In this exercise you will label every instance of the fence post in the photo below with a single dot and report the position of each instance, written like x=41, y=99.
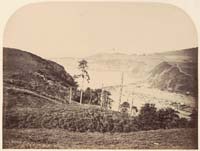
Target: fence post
x=70, y=95
x=102, y=91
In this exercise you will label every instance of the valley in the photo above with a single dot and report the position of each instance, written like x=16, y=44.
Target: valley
x=138, y=94
x=166, y=79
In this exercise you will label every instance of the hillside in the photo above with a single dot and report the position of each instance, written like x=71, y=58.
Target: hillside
x=192, y=53
x=25, y=71
x=175, y=77
x=178, y=73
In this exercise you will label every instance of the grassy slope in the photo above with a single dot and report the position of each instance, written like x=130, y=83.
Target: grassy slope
x=27, y=110
x=62, y=139
x=57, y=138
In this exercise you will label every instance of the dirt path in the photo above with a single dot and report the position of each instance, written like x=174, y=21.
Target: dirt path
x=181, y=71
x=35, y=94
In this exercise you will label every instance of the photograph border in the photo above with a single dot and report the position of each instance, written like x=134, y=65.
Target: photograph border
x=9, y=7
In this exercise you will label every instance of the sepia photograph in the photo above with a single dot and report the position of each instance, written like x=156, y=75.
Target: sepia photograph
x=100, y=75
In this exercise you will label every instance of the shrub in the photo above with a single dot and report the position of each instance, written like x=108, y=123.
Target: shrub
x=182, y=123
x=194, y=119
x=98, y=120
x=147, y=117
x=167, y=118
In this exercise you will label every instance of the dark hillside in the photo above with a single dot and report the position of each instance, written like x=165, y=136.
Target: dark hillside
x=191, y=52
x=23, y=71
x=175, y=77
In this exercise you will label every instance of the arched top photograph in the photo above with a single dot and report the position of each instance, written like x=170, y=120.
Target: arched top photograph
x=100, y=75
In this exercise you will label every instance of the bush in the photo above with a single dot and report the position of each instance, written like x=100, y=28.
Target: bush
x=194, y=119
x=98, y=120
x=150, y=118
x=147, y=117
x=183, y=123
x=168, y=118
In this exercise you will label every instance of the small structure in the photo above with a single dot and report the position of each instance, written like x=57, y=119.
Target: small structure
x=125, y=107
x=133, y=111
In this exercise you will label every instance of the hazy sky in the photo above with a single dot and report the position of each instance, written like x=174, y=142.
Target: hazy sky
x=63, y=29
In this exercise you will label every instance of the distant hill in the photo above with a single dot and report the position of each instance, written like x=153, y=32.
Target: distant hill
x=178, y=74
x=192, y=52
x=109, y=56
x=29, y=80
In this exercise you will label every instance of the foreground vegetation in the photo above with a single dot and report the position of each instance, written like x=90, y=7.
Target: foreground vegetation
x=62, y=139
x=23, y=111
x=82, y=118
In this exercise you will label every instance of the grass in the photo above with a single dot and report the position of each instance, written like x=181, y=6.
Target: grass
x=35, y=123
x=27, y=111
x=63, y=139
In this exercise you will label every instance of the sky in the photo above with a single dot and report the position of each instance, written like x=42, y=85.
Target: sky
x=80, y=29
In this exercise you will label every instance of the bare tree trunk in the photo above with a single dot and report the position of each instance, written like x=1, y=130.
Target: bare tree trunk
x=121, y=90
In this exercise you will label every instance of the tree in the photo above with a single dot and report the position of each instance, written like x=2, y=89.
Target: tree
x=168, y=118
x=96, y=97
x=124, y=107
x=87, y=96
x=106, y=100
x=148, y=117
x=84, y=75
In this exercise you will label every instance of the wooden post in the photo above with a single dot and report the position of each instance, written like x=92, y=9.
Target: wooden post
x=106, y=100
x=90, y=96
x=70, y=95
x=81, y=96
x=102, y=96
